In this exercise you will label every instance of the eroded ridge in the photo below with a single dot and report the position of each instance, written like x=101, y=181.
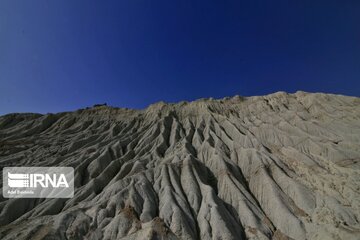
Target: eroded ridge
x=281, y=166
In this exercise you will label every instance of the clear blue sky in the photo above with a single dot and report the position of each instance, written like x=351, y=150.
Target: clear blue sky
x=64, y=55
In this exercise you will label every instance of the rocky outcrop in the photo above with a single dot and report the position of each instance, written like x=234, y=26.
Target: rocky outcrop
x=281, y=166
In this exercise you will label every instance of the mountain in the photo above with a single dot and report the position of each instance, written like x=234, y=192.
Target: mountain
x=281, y=166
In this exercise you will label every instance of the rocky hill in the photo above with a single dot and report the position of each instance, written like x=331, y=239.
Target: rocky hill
x=281, y=166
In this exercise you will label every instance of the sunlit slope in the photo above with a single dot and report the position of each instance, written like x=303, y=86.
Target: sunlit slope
x=266, y=167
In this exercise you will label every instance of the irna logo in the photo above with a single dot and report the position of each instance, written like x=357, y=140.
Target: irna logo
x=34, y=180
x=38, y=182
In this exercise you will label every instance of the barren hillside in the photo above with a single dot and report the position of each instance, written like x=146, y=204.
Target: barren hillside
x=281, y=166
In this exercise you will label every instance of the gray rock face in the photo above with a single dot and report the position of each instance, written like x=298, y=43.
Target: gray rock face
x=281, y=166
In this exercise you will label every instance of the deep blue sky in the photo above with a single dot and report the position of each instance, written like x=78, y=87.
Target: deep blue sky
x=65, y=55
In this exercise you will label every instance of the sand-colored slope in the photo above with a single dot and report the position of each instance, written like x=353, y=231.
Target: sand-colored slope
x=281, y=166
